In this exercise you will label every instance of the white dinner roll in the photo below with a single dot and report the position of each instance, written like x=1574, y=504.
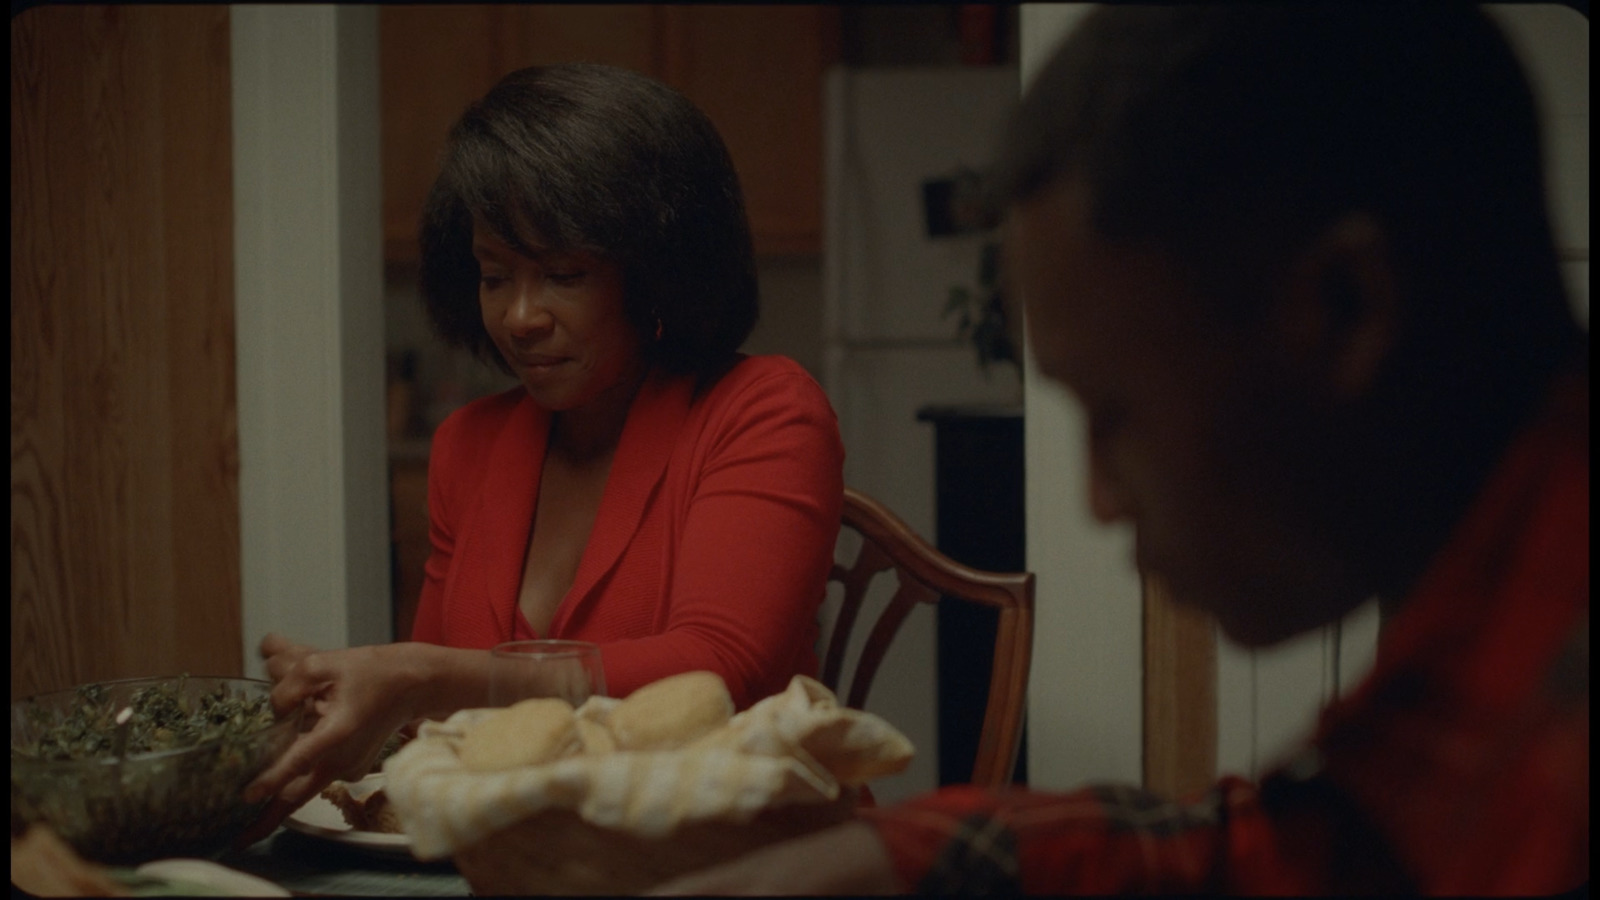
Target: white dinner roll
x=595, y=738
x=671, y=712
x=528, y=733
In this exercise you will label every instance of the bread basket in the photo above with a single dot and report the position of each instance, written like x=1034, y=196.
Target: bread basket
x=622, y=822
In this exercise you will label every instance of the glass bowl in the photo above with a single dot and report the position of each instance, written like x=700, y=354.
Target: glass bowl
x=183, y=801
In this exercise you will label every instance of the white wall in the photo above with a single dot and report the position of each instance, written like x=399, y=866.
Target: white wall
x=309, y=326
x=1085, y=701
x=1553, y=42
x=1267, y=700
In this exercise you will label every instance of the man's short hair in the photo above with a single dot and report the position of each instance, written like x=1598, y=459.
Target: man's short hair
x=1229, y=136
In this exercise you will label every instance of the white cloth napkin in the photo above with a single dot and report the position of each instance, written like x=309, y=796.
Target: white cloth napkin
x=799, y=746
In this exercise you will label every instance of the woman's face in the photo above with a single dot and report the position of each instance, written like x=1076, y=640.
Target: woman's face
x=558, y=320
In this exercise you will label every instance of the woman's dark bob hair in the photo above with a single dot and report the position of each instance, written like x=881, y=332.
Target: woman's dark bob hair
x=608, y=161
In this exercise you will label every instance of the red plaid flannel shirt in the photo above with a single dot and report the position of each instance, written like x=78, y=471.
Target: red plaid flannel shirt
x=1459, y=766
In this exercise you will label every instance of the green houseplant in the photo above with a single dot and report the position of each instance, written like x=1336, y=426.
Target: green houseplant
x=981, y=315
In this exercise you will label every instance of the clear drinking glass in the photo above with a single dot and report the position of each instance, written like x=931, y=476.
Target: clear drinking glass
x=521, y=670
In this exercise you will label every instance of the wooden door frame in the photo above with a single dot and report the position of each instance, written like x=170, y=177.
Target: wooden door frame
x=124, y=492
x=1180, y=694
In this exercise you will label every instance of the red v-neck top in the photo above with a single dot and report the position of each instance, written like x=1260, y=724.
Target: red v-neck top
x=710, y=550
x=521, y=630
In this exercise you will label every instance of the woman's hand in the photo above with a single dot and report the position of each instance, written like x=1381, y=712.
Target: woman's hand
x=845, y=859
x=355, y=700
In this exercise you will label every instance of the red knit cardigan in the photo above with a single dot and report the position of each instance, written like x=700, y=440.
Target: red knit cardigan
x=711, y=547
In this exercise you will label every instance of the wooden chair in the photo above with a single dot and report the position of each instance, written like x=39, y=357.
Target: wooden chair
x=925, y=575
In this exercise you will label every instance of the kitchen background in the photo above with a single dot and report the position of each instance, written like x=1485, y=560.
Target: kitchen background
x=217, y=363
x=909, y=95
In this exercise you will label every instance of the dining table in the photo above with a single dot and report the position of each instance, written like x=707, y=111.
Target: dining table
x=311, y=866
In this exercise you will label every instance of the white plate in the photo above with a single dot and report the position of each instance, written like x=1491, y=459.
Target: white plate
x=195, y=877
x=319, y=818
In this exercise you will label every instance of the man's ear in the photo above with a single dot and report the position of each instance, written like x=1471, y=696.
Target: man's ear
x=1338, y=314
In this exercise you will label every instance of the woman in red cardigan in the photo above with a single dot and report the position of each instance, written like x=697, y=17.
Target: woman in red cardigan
x=646, y=487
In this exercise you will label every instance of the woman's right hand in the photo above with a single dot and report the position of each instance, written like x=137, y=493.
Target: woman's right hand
x=355, y=699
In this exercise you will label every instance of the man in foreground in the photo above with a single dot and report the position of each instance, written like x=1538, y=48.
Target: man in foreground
x=1295, y=264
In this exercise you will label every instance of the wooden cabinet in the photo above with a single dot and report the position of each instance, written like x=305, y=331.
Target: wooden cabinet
x=980, y=499
x=755, y=70
x=427, y=75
